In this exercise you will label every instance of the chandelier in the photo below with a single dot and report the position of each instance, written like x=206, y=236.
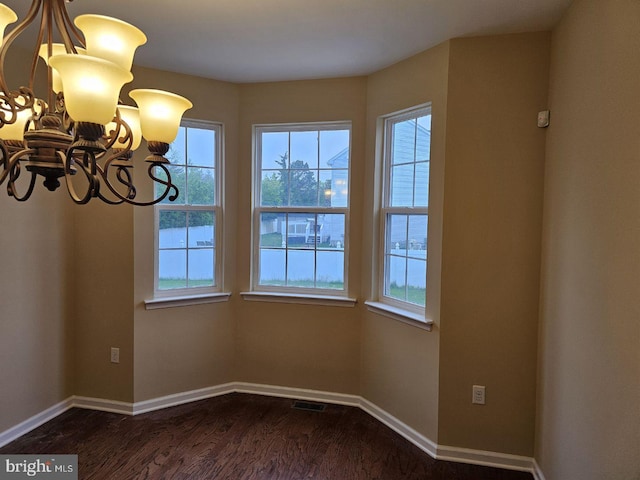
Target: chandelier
x=80, y=131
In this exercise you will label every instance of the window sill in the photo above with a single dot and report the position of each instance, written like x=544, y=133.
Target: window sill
x=404, y=316
x=304, y=299
x=185, y=300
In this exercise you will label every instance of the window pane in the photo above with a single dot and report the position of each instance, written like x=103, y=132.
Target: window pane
x=395, y=277
x=339, y=188
x=200, y=186
x=422, y=185
x=334, y=149
x=330, y=269
x=396, y=234
x=300, y=268
x=271, y=189
x=300, y=230
x=178, y=178
x=304, y=188
x=201, y=267
x=172, y=229
x=304, y=150
x=331, y=231
x=423, y=138
x=201, y=229
x=275, y=150
x=325, y=189
x=272, y=227
x=416, y=281
x=272, y=266
x=404, y=142
x=402, y=186
x=201, y=144
x=417, y=236
x=176, y=153
x=172, y=269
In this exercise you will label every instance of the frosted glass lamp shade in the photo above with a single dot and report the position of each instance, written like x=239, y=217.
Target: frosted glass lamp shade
x=7, y=16
x=110, y=39
x=131, y=115
x=56, y=49
x=91, y=86
x=160, y=113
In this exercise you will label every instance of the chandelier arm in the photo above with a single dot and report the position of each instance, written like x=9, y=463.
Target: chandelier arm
x=45, y=26
x=11, y=161
x=167, y=183
x=111, y=136
x=120, y=198
x=128, y=182
x=4, y=162
x=66, y=27
x=92, y=189
x=14, y=175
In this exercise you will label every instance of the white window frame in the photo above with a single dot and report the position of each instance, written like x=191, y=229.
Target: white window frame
x=197, y=294
x=397, y=307
x=313, y=294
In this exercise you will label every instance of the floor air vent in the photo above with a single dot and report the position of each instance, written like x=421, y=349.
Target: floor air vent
x=311, y=406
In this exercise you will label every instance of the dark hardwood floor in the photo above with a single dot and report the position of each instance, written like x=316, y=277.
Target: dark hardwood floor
x=241, y=437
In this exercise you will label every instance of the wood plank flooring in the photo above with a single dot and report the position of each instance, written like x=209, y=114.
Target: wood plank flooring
x=241, y=437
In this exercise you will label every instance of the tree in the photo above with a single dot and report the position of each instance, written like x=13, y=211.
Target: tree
x=298, y=184
x=198, y=185
x=271, y=195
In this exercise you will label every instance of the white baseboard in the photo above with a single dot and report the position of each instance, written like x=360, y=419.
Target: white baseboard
x=419, y=440
x=180, y=398
x=440, y=452
x=298, y=393
x=537, y=471
x=34, y=422
x=485, y=458
x=112, y=406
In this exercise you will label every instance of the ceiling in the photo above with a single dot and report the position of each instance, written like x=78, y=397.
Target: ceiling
x=269, y=40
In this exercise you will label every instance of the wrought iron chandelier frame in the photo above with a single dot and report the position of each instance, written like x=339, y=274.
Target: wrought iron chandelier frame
x=55, y=146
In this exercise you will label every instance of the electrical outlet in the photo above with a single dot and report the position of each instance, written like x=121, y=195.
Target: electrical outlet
x=478, y=395
x=115, y=355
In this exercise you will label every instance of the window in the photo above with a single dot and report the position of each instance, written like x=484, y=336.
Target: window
x=405, y=209
x=187, y=230
x=301, y=208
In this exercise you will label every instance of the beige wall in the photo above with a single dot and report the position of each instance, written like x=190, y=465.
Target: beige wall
x=315, y=347
x=589, y=402
x=491, y=240
x=102, y=296
x=186, y=348
x=399, y=361
x=36, y=311
x=35, y=308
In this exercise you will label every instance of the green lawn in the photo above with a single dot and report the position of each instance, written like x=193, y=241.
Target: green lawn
x=304, y=284
x=173, y=283
x=414, y=294
x=271, y=240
